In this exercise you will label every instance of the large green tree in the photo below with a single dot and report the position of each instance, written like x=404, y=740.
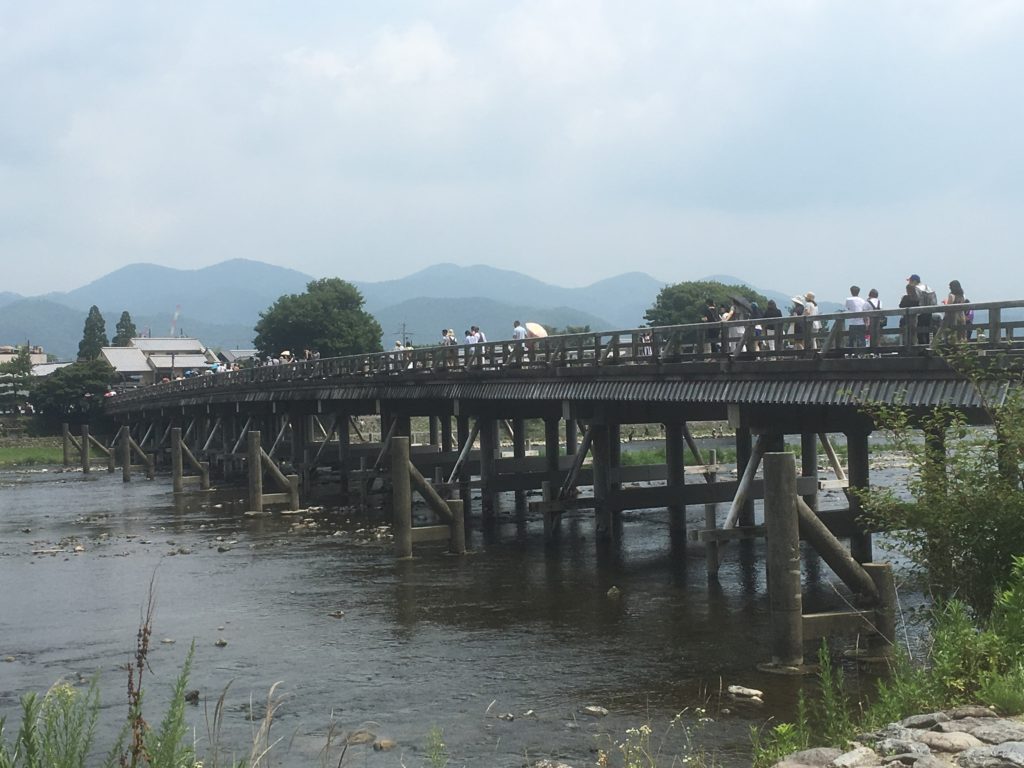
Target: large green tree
x=94, y=335
x=684, y=302
x=328, y=318
x=74, y=392
x=125, y=331
x=15, y=380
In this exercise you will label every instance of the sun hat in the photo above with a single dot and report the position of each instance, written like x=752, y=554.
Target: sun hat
x=798, y=300
x=809, y=296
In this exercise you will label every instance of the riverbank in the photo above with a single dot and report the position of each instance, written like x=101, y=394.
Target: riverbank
x=30, y=451
x=963, y=737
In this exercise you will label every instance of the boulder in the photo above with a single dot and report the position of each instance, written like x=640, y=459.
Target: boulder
x=901, y=747
x=1008, y=755
x=594, y=711
x=929, y=720
x=818, y=757
x=970, y=710
x=384, y=745
x=999, y=731
x=948, y=742
x=856, y=758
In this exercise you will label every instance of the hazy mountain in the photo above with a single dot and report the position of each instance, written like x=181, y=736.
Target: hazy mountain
x=423, y=319
x=232, y=292
x=220, y=304
x=620, y=300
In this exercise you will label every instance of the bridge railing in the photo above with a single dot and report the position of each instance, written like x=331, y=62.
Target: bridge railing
x=911, y=331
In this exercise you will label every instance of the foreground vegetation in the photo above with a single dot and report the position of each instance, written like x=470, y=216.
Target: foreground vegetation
x=962, y=528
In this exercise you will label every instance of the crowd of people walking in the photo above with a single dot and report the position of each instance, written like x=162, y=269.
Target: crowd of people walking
x=805, y=333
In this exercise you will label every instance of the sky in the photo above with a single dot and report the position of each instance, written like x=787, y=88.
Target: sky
x=796, y=144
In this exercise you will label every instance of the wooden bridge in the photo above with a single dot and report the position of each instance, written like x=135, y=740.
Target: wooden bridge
x=768, y=378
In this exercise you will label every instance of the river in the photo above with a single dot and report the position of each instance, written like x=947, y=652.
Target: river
x=515, y=628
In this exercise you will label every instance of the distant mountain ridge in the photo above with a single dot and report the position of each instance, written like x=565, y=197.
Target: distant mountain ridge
x=220, y=304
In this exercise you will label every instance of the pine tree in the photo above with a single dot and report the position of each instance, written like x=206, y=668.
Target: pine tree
x=94, y=335
x=125, y=331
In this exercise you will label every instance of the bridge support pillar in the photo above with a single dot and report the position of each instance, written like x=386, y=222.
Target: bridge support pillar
x=254, y=460
x=600, y=450
x=300, y=422
x=434, y=430
x=571, y=438
x=783, y=560
x=552, y=449
x=676, y=478
x=488, y=448
x=744, y=449
x=465, y=492
x=65, y=433
x=519, y=452
x=858, y=472
x=446, y=434
x=401, y=496
x=344, y=456
x=809, y=464
x=177, y=470
x=85, y=449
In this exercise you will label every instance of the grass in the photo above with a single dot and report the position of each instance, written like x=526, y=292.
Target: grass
x=39, y=453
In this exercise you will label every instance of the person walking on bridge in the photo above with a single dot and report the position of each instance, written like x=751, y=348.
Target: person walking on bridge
x=855, y=325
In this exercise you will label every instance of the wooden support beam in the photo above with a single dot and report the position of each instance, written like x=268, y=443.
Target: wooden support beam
x=570, y=479
x=84, y=449
x=833, y=552
x=289, y=484
x=401, y=496
x=676, y=477
x=711, y=554
x=241, y=436
x=213, y=433
x=65, y=433
x=783, y=560
x=279, y=438
x=739, y=502
x=857, y=456
x=176, y=461
x=433, y=499
x=833, y=459
x=254, y=462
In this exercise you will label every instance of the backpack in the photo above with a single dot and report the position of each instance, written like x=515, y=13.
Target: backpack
x=928, y=297
x=969, y=314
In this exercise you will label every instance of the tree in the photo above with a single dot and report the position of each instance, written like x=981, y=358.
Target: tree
x=328, y=318
x=74, y=392
x=94, y=335
x=125, y=331
x=15, y=380
x=684, y=302
x=961, y=522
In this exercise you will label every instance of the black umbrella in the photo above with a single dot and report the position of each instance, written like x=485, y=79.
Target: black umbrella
x=741, y=302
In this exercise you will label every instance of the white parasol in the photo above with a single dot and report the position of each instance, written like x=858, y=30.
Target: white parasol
x=535, y=331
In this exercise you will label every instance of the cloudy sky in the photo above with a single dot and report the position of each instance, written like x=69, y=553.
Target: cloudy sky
x=798, y=144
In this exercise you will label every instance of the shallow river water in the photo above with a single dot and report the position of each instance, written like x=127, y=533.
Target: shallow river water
x=439, y=642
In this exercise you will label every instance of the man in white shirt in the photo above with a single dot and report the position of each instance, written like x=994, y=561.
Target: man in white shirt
x=855, y=325
x=518, y=331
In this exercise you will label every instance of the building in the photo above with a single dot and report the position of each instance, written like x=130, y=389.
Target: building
x=35, y=354
x=151, y=359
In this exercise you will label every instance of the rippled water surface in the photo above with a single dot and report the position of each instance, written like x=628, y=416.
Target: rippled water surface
x=516, y=627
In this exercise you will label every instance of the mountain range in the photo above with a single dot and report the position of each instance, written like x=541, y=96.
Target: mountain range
x=221, y=303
